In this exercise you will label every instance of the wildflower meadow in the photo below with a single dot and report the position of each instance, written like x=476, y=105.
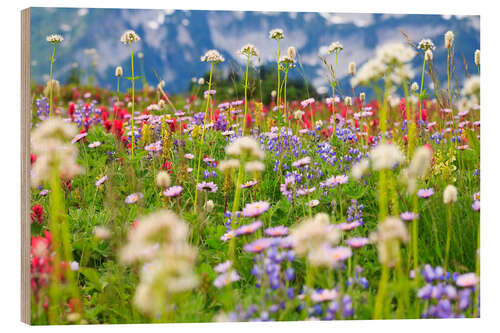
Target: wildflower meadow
x=245, y=201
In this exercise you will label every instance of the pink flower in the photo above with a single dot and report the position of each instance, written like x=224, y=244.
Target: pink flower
x=172, y=191
x=467, y=280
x=255, y=208
x=248, y=229
x=357, y=242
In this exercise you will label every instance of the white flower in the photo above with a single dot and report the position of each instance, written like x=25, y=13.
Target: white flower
x=298, y=114
x=254, y=166
x=472, y=85
x=230, y=164
x=291, y=52
x=448, y=39
x=50, y=141
x=208, y=206
x=428, y=55
x=129, y=36
x=101, y=233
x=287, y=60
x=212, y=56
x=247, y=145
x=476, y=57
x=450, y=194
x=390, y=233
x=276, y=34
x=118, y=71
x=385, y=156
x=362, y=96
x=55, y=38
x=352, y=68
x=162, y=228
x=249, y=50
x=361, y=168
x=426, y=44
x=414, y=87
x=163, y=179
x=335, y=47
x=420, y=162
x=314, y=233
x=348, y=101
x=201, y=81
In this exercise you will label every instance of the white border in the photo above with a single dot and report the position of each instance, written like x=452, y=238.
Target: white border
x=10, y=152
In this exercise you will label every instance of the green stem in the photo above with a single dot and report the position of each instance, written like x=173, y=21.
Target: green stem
x=51, y=87
x=246, y=100
x=203, y=135
x=379, y=301
x=133, y=98
x=448, y=238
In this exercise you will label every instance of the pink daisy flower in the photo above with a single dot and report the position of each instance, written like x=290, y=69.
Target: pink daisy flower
x=255, y=208
x=277, y=231
x=258, y=246
x=133, y=198
x=357, y=242
x=172, y=191
x=209, y=187
x=425, y=193
x=248, y=229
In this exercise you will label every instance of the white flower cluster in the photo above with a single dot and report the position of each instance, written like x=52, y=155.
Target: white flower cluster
x=472, y=85
x=426, y=44
x=160, y=241
x=129, y=36
x=245, y=145
x=248, y=151
x=276, y=34
x=335, y=47
x=249, y=50
x=418, y=168
x=385, y=156
x=212, y=56
x=311, y=234
x=393, y=57
x=51, y=142
x=389, y=235
x=55, y=38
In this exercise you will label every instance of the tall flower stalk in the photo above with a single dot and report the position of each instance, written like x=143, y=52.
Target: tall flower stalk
x=54, y=40
x=287, y=62
x=334, y=48
x=213, y=57
x=450, y=195
x=278, y=34
x=448, y=43
x=248, y=51
x=129, y=37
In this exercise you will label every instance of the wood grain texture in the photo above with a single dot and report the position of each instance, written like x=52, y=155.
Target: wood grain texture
x=25, y=166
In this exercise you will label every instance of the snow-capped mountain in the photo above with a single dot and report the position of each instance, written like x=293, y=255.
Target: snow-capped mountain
x=173, y=41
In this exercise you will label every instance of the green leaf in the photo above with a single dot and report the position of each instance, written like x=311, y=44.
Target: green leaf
x=93, y=277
